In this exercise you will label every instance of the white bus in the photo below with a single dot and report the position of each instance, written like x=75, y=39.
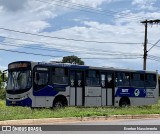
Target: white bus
x=39, y=84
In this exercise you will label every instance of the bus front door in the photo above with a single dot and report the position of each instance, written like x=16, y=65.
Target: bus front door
x=76, y=88
x=107, y=84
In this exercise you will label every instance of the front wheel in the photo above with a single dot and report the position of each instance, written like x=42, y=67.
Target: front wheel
x=58, y=104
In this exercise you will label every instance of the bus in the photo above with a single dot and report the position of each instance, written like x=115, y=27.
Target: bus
x=40, y=84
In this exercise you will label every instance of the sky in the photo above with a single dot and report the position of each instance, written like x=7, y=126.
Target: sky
x=101, y=32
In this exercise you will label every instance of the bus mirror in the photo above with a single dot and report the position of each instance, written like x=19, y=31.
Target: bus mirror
x=3, y=77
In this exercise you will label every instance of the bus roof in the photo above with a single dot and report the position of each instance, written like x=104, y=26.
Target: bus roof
x=75, y=66
x=121, y=70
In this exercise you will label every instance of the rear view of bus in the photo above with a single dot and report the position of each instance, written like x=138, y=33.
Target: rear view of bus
x=19, y=84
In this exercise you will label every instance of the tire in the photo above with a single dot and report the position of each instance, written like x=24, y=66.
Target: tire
x=124, y=102
x=58, y=104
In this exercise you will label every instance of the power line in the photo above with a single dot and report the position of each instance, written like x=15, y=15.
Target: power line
x=62, y=38
x=154, y=45
x=64, y=46
x=113, y=58
x=92, y=51
x=14, y=51
x=89, y=9
x=37, y=54
x=81, y=52
x=61, y=44
x=158, y=60
x=153, y=57
x=146, y=22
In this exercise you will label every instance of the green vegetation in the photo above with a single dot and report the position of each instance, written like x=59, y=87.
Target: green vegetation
x=13, y=113
x=2, y=88
x=73, y=59
x=2, y=94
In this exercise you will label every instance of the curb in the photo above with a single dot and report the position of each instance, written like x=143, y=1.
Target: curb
x=75, y=119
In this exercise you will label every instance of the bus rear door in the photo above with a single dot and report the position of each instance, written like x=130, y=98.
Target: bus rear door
x=76, y=88
x=107, y=84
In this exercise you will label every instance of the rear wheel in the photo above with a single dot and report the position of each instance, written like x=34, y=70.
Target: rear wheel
x=124, y=102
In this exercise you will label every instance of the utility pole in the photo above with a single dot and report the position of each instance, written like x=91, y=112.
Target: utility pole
x=145, y=39
x=145, y=46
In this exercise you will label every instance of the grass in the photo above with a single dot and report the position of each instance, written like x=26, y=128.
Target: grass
x=14, y=113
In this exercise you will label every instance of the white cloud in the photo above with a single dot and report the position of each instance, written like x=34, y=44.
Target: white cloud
x=33, y=17
x=93, y=4
x=144, y=4
x=13, y=5
x=2, y=68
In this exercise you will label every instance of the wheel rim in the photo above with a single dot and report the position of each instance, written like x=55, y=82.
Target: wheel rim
x=58, y=104
x=124, y=104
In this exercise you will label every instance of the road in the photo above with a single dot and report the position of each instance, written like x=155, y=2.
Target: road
x=137, y=122
x=117, y=127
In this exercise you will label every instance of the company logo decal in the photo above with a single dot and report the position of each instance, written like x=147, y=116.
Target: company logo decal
x=136, y=92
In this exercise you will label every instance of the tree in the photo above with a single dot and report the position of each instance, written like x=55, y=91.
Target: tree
x=73, y=60
x=2, y=88
x=1, y=85
x=159, y=83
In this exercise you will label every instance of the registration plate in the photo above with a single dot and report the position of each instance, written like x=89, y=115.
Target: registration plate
x=13, y=102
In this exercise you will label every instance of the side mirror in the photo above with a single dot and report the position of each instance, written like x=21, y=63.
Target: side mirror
x=3, y=77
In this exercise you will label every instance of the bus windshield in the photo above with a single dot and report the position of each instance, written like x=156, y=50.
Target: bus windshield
x=19, y=80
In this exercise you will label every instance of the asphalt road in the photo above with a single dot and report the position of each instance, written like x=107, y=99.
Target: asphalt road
x=115, y=125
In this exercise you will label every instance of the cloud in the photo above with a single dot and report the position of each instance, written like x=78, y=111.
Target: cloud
x=2, y=68
x=13, y=5
x=93, y=4
x=144, y=4
x=123, y=30
x=33, y=17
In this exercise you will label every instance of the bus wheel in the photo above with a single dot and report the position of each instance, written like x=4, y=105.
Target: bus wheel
x=58, y=104
x=60, y=101
x=124, y=102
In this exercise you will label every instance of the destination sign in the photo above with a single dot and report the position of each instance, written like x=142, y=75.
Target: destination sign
x=18, y=65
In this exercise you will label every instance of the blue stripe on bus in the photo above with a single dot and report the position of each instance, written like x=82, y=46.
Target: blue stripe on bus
x=64, y=65
x=25, y=102
x=50, y=90
x=130, y=92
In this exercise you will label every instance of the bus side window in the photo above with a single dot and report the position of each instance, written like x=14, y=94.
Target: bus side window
x=126, y=81
x=122, y=79
x=150, y=81
x=110, y=81
x=118, y=79
x=60, y=76
x=137, y=80
x=41, y=77
x=79, y=79
x=92, y=78
x=103, y=80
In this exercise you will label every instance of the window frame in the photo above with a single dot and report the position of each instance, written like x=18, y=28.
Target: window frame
x=123, y=82
x=65, y=74
x=35, y=85
x=141, y=79
x=91, y=79
x=154, y=79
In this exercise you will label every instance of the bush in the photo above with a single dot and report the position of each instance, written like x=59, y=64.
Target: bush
x=2, y=94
